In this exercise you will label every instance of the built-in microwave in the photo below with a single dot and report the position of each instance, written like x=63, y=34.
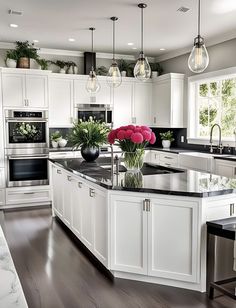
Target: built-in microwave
x=98, y=112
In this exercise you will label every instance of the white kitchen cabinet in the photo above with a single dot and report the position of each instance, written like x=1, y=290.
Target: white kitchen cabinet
x=225, y=168
x=220, y=209
x=75, y=191
x=81, y=95
x=122, y=104
x=167, y=101
x=142, y=103
x=67, y=199
x=128, y=234
x=60, y=102
x=22, y=89
x=57, y=182
x=173, y=251
x=169, y=159
x=154, y=157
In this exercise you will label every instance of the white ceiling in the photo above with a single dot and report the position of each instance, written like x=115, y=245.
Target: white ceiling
x=52, y=22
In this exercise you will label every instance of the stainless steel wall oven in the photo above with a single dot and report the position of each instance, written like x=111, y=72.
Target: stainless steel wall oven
x=98, y=112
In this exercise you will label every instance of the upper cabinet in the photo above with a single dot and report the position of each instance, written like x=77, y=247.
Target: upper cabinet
x=25, y=89
x=142, y=103
x=81, y=95
x=167, y=101
x=60, y=101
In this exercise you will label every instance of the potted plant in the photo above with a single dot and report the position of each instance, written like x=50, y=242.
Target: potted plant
x=156, y=69
x=101, y=71
x=132, y=141
x=25, y=52
x=71, y=68
x=61, y=64
x=123, y=67
x=89, y=135
x=167, y=138
x=55, y=138
x=43, y=63
x=11, y=58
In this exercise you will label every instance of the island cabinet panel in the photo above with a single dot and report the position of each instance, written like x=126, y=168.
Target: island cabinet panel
x=225, y=168
x=128, y=235
x=60, y=102
x=67, y=199
x=173, y=235
x=57, y=179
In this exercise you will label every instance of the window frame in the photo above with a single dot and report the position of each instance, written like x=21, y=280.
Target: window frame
x=193, y=110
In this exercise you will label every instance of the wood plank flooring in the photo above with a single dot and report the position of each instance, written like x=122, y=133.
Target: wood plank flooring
x=55, y=272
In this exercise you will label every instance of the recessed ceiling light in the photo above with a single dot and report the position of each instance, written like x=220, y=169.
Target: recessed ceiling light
x=13, y=26
x=162, y=49
x=130, y=44
x=36, y=41
x=71, y=39
x=134, y=48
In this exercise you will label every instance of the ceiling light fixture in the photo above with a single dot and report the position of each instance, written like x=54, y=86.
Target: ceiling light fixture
x=198, y=59
x=13, y=26
x=92, y=86
x=142, y=70
x=134, y=48
x=71, y=39
x=130, y=44
x=162, y=49
x=113, y=76
x=36, y=41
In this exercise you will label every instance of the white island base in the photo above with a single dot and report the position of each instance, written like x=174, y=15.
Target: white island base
x=148, y=237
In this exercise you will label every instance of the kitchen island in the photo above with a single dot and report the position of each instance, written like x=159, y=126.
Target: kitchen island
x=149, y=226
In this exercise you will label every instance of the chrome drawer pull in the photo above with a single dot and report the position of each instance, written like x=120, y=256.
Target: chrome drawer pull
x=58, y=171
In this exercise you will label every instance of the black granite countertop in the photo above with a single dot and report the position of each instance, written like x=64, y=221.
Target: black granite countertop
x=182, y=182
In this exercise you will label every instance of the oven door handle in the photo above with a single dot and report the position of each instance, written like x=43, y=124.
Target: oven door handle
x=27, y=157
x=39, y=120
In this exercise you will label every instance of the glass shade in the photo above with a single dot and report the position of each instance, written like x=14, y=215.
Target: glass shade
x=198, y=59
x=142, y=69
x=113, y=76
x=93, y=85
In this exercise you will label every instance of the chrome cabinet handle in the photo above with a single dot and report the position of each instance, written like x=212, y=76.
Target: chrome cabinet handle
x=29, y=193
x=80, y=184
x=58, y=171
x=134, y=120
x=231, y=209
x=146, y=205
x=91, y=192
x=168, y=157
x=69, y=178
x=155, y=120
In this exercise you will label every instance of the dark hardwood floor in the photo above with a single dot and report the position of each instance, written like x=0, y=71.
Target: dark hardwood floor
x=55, y=273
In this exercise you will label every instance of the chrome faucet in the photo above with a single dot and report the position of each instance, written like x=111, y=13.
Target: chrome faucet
x=220, y=146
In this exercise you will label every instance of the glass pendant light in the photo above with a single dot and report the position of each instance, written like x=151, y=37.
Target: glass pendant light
x=113, y=76
x=142, y=70
x=92, y=86
x=198, y=59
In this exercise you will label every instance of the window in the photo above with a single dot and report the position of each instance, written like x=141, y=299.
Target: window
x=212, y=100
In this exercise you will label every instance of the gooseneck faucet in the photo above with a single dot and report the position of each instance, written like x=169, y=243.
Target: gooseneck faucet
x=220, y=147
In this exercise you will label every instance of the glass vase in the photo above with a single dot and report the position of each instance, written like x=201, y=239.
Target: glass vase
x=134, y=160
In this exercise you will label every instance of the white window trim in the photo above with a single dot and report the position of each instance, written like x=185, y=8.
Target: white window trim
x=192, y=82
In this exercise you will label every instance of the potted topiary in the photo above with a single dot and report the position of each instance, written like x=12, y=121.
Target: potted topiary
x=61, y=64
x=101, y=71
x=43, y=63
x=55, y=138
x=156, y=68
x=89, y=135
x=167, y=138
x=71, y=68
x=25, y=52
x=11, y=58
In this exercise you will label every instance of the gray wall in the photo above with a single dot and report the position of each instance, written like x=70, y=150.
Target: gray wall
x=221, y=56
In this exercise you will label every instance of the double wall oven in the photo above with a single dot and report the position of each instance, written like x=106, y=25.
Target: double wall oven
x=26, y=148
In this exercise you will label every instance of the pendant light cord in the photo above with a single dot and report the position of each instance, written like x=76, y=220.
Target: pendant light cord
x=199, y=16
x=92, y=29
x=142, y=30
x=113, y=40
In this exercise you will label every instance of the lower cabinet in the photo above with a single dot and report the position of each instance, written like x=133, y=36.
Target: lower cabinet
x=225, y=168
x=155, y=238
x=83, y=208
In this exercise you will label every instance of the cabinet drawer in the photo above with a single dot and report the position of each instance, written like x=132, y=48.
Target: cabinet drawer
x=221, y=211
x=27, y=196
x=168, y=159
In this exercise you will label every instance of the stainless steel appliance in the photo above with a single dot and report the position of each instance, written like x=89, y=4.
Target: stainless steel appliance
x=27, y=167
x=98, y=112
x=26, y=129
x=26, y=148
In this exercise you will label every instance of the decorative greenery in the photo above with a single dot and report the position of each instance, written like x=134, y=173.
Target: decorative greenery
x=26, y=50
x=167, y=136
x=125, y=66
x=156, y=67
x=59, y=63
x=56, y=136
x=101, y=71
x=43, y=63
x=89, y=133
x=12, y=54
x=27, y=130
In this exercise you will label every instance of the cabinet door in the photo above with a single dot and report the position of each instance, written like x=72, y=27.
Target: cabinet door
x=173, y=235
x=37, y=91
x=123, y=97
x=104, y=95
x=60, y=102
x=225, y=168
x=161, y=112
x=128, y=235
x=57, y=184
x=100, y=225
x=81, y=95
x=13, y=90
x=86, y=216
x=67, y=199
x=142, y=103
x=77, y=193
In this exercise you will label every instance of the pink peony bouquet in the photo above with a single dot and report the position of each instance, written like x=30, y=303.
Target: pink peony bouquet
x=130, y=137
